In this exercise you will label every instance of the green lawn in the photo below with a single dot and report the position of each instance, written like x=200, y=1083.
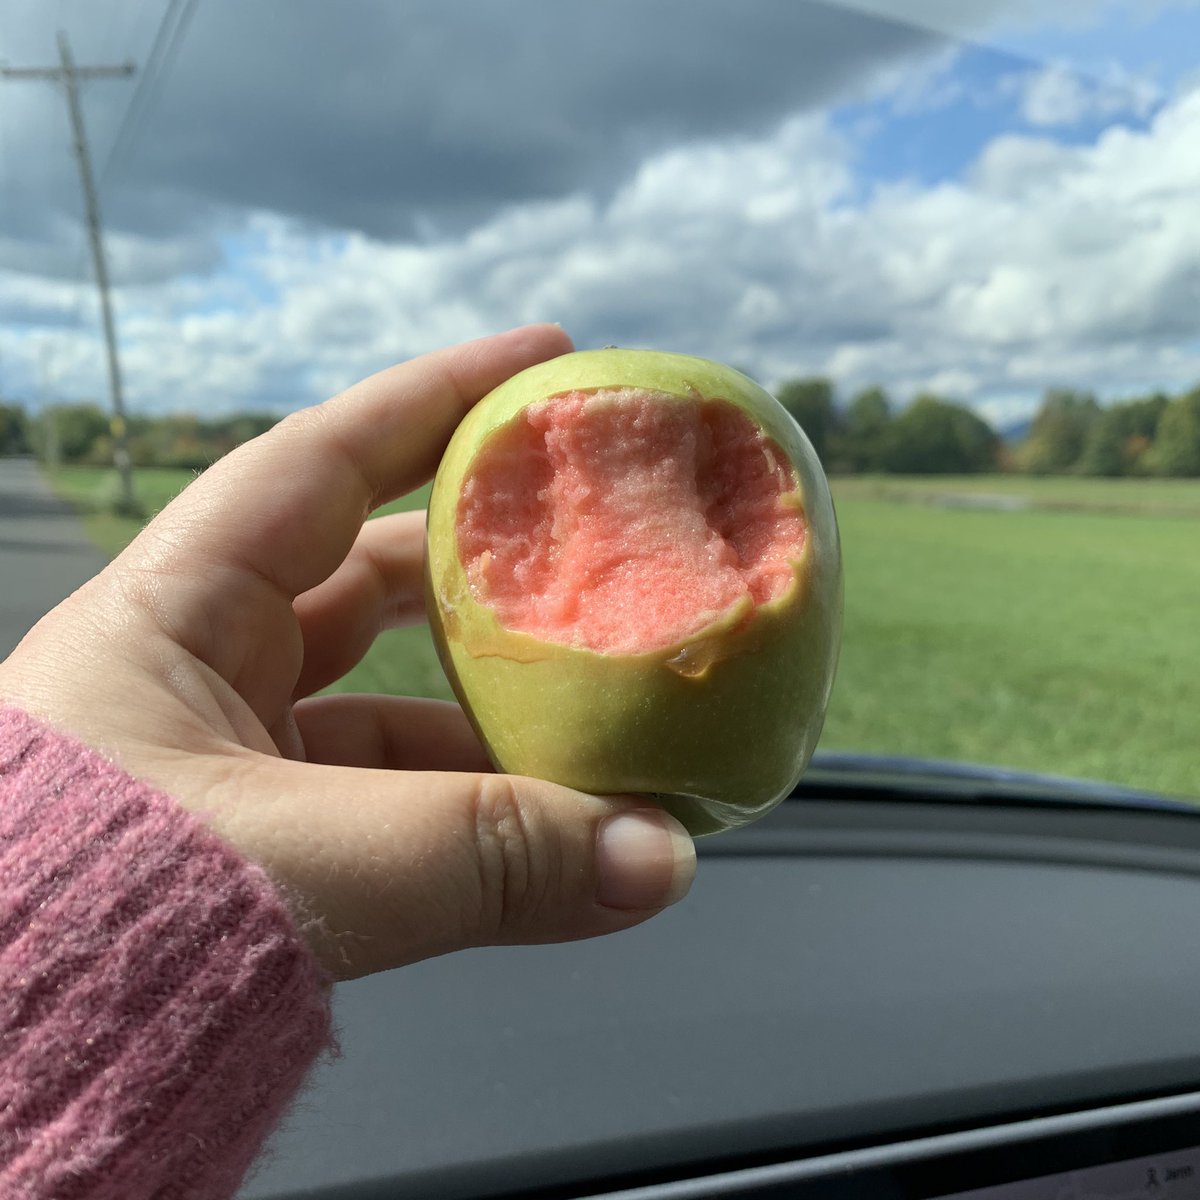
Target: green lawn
x=1056, y=641
x=1060, y=636
x=1060, y=493
x=92, y=489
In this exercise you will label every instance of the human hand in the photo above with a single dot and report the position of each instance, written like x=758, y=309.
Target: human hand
x=193, y=658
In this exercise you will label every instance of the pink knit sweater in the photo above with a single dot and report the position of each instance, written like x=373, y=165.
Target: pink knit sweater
x=158, y=1007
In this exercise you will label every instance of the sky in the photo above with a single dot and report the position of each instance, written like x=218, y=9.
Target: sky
x=984, y=200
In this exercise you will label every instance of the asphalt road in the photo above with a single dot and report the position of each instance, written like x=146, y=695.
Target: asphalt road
x=44, y=553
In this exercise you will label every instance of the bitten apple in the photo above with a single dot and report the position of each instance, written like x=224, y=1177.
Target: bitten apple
x=634, y=582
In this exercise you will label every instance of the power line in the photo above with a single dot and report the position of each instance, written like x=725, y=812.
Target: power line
x=136, y=101
x=167, y=40
x=69, y=75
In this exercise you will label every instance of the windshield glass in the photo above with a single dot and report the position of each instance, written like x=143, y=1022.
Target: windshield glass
x=959, y=242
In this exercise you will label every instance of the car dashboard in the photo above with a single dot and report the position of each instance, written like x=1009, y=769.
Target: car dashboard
x=901, y=983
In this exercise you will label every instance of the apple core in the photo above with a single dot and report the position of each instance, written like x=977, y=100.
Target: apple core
x=625, y=520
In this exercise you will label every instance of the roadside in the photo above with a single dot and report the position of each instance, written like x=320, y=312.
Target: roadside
x=45, y=553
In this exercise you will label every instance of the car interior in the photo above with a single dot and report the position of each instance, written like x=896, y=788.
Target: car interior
x=946, y=982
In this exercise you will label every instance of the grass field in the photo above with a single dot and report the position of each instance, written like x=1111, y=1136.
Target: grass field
x=1048, y=624
x=1055, y=493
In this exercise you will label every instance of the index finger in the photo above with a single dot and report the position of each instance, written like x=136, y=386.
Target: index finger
x=287, y=507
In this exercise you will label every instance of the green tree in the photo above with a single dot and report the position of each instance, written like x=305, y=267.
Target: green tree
x=1142, y=416
x=811, y=402
x=1177, y=438
x=865, y=427
x=183, y=440
x=935, y=437
x=1104, y=447
x=1117, y=440
x=1059, y=431
x=242, y=427
x=14, y=430
x=74, y=431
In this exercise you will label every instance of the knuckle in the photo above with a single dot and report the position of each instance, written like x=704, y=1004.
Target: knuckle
x=302, y=421
x=320, y=430
x=512, y=874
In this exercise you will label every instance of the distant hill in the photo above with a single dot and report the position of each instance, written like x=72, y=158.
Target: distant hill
x=1015, y=432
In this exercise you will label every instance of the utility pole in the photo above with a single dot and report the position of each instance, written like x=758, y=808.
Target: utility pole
x=69, y=75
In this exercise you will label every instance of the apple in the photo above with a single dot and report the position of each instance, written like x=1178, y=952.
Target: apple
x=634, y=582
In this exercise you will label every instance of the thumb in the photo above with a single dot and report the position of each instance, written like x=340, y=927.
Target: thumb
x=393, y=867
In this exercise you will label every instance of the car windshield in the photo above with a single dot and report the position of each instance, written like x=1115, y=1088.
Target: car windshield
x=958, y=241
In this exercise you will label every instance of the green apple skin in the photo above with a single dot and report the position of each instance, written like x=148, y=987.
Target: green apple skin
x=717, y=728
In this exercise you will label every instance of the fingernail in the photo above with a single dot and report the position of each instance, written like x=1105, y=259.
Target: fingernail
x=644, y=859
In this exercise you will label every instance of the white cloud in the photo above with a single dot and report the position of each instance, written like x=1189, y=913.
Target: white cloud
x=1045, y=263
x=1005, y=412
x=1060, y=95
x=1051, y=262
x=915, y=86
x=1056, y=96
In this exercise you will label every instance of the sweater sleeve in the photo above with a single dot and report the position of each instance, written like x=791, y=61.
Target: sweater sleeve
x=158, y=1006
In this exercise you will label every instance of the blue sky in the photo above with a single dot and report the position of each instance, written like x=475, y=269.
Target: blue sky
x=986, y=200
x=936, y=126
x=1156, y=42
x=937, y=132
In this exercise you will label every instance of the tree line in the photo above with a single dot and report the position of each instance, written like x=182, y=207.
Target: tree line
x=82, y=434
x=931, y=436
x=1070, y=434
x=1148, y=435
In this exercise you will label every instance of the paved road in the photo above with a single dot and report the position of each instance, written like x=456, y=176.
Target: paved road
x=44, y=553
